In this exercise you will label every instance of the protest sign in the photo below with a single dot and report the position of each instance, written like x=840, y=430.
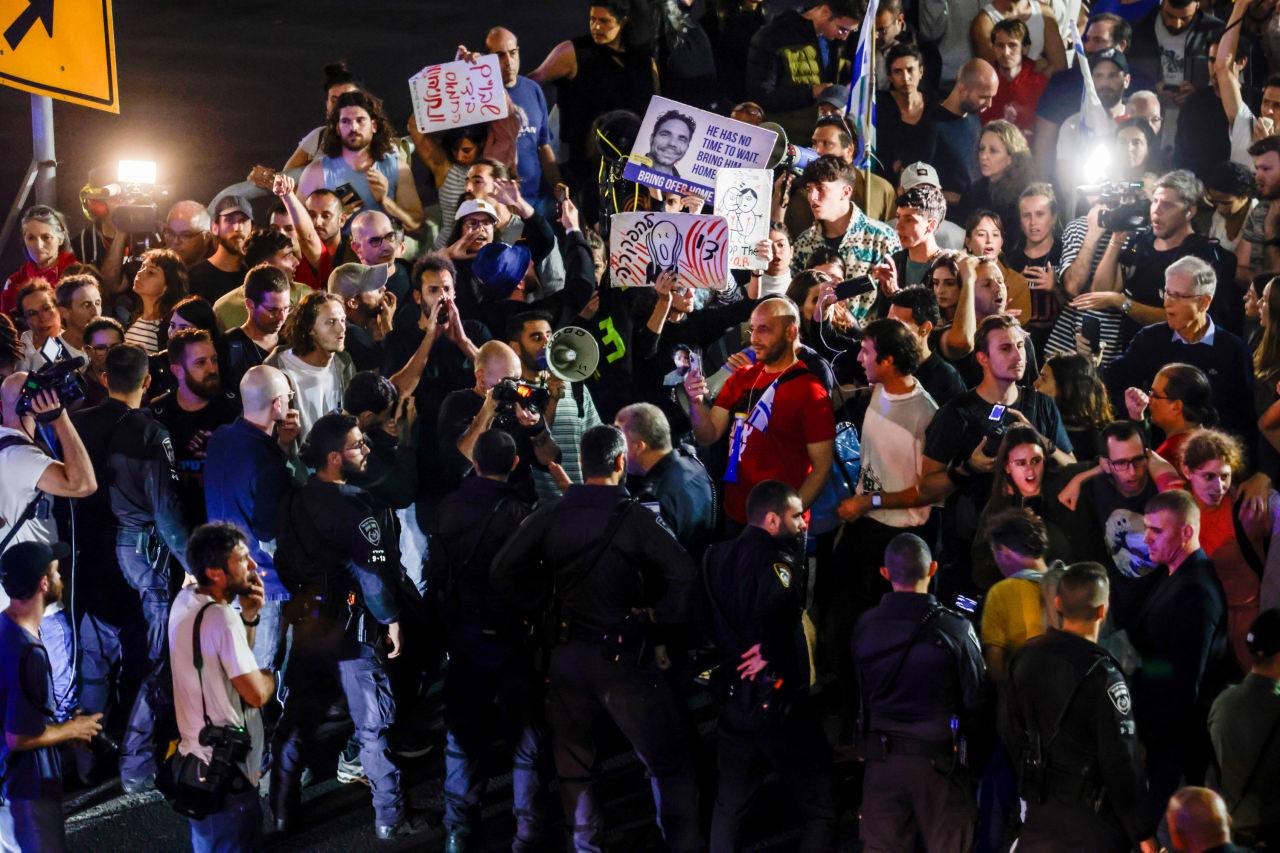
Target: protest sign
x=456, y=94
x=693, y=245
x=680, y=149
x=742, y=198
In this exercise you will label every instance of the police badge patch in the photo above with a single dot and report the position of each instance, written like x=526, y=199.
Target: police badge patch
x=1119, y=696
x=783, y=571
x=370, y=530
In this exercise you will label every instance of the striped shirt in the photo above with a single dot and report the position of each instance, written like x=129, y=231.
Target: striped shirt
x=144, y=333
x=567, y=430
x=1063, y=337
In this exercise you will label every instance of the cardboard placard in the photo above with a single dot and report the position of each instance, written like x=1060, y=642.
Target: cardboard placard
x=457, y=94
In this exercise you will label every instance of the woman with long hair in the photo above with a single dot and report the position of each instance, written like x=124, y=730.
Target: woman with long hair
x=1073, y=382
x=159, y=284
x=1007, y=168
x=1138, y=154
x=984, y=237
x=813, y=292
x=449, y=155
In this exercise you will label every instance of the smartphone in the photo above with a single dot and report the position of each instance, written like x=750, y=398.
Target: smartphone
x=695, y=363
x=1091, y=331
x=997, y=413
x=852, y=287
x=350, y=199
x=561, y=192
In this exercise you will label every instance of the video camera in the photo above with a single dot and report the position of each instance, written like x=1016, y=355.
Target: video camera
x=61, y=377
x=1127, y=207
x=507, y=393
x=132, y=202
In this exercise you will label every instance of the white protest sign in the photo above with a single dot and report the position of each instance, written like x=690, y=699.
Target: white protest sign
x=680, y=149
x=742, y=198
x=456, y=94
x=693, y=245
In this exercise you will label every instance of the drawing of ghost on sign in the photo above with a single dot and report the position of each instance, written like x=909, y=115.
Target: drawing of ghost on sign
x=694, y=246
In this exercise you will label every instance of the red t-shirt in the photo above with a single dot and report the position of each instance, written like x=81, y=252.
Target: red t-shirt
x=27, y=272
x=1016, y=99
x=315, y=278
x=800, y=415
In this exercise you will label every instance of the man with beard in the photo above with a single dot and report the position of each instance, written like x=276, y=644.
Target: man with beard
x=369, y=306
x=266, y=301
x=191, y=413
x=338, y=550
x=379, y=242
x=672, y=133
x=313, y=357
x=359, y=150
x=317, y=224
x=186, y=231
x=224, y=269
x=1257, y=249
x=954, y=125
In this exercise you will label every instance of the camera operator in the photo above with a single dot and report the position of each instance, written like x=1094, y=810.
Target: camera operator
x=1130, y=276
x=614, y=569
x=139, y=512
x=217, y=696
x=466, y=414
x=31, y=778
x=338, y=556
x=756, y=586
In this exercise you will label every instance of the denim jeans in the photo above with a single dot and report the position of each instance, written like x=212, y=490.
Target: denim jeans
x=235, y=829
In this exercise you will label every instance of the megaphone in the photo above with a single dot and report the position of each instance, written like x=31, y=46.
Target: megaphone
x=572, y=354
x=785, y=156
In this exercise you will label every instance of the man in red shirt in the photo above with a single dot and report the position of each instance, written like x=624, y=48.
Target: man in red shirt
x=777, y=414
x=317, y=228
x=1020, y=84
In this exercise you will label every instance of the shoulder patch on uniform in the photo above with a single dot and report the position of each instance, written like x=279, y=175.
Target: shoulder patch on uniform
x=783, y=571
x=371, y=530
x=1119, y=695
x=168, y=449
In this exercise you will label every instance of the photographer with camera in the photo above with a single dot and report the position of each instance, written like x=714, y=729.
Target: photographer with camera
x=605, y=569
x=30, y=767
x=498, y=399
x=217, y=691
x=755, y=587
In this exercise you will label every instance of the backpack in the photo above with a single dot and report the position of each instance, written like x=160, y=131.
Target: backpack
x=846, y=468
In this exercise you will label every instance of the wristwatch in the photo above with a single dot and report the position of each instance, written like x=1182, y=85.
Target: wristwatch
x=253, y=623
x=1126, y=306
x=876, y=500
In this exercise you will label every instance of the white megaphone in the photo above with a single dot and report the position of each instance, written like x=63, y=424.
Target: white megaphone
x=792, y=158
x=572, y=354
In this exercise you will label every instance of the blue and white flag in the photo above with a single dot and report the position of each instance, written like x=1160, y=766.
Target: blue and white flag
x=861, y=107
x=1093, y=116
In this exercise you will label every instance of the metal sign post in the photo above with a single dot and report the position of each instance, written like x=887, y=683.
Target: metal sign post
x=42, y=153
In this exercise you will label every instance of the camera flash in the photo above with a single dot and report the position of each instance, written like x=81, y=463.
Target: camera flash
x=137, y=172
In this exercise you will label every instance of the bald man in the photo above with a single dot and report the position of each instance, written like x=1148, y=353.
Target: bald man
x=375, y=240
x=953, y=124
x=467, y=413
x=536, y=158
x=777, y=413
x=1198, y=822
x=186, y=231
x=246, y=473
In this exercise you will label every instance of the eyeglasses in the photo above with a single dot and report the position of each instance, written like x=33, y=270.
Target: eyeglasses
x=362, y=444
x=1128, y=464
x=101, y=347
x=1166, y=296
x=843, y=32
x=179, y=236
x=376, y=242
x=1152, y=395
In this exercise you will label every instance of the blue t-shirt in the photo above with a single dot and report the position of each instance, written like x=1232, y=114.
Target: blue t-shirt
x=535, y=131
x=26, y=697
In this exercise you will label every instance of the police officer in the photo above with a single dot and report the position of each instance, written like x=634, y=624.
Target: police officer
x=920, y=677
x=139, y=510
x=1069, y=726
x=488, y=687
x=337, y=555
x=609, y=568
x=755, y=589
x=674, y=477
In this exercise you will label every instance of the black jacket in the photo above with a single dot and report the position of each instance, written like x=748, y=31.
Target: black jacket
x=643, y=566
x=1144, y=52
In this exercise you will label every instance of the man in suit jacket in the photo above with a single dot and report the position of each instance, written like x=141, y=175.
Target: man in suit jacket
x=1179, y=627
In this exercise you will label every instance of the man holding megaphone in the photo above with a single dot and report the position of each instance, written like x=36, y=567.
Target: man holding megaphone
x=560, y=360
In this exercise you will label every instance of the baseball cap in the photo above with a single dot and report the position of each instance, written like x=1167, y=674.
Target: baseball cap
x=499, y=267
x=351, y=280
x=233, y=202
x=1263, y=639
x=919, y=173
x=1111, y=54
x=24, y=564
x=475, y=205
x=835, y=95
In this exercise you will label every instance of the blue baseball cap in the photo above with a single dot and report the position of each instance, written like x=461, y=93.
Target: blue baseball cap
x=499, y=267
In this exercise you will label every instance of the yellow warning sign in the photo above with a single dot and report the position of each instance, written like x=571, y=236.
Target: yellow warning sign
x=65, y=49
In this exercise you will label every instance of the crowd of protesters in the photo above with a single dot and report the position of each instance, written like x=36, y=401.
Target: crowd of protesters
x=981, y=554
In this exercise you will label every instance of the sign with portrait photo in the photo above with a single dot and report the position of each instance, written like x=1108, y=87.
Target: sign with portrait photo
x=692, y=245
x=742, y=198
x=457, y=94
x=680, y=149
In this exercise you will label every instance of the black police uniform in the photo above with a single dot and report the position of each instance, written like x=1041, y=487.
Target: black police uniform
x=488, y=687
x=755, y=588
x=337, y=553
x=686, y=497
x=1068, y=723
x=137, y=499
x=920, y=677
x=605, y=555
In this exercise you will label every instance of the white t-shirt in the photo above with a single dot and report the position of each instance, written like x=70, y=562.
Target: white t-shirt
x=22, y=466
x=319, y=389
x=893, y=449
x=1173, y=54
x=311, y=142
x=227, y=655
x=1218, y=228
x=1242, y=137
